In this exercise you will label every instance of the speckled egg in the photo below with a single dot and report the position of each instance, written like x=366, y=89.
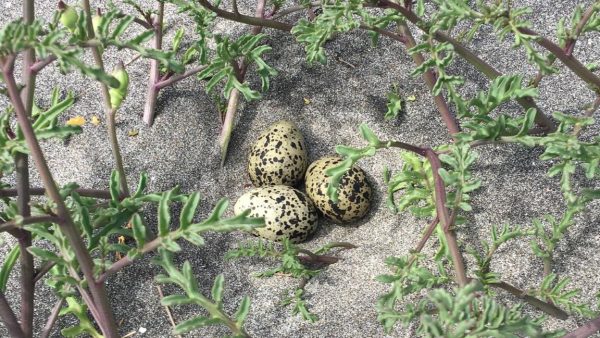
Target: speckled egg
x=354, y=191
x=278, y=156
x=288, y=213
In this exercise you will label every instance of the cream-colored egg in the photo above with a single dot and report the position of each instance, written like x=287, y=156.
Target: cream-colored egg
x=278, y=156
x=354, y=191
x=288, y=212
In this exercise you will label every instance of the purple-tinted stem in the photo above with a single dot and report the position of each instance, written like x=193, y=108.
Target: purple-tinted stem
x=68, y=228
x=152, y=93
x=23, y=198
x=170, y=80
x=52, y=318
x=9, y=318
x=586, y=329
x=12, y=225
x=430, y=79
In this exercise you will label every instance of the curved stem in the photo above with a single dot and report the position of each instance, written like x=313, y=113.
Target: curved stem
x=250, y=20
x=568, y=60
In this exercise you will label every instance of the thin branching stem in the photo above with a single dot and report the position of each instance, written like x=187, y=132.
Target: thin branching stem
x=234, y=97
x=442, y=214
x=22, y=174
x=40, y=64
x=67, y=227
x=587, y=15
x=489, y=71
x=430, y=80
x=43, y=270
x=572, y=63
x=176, y=78
x=13, y=224
x=110, y=112
x=52, y=318
x=539, y=304
x=126, y=261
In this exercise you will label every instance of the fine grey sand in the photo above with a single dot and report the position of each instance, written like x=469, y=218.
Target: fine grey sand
x=327, y=103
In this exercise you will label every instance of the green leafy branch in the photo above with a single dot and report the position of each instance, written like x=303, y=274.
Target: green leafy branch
x=186, y=280
x=295, y=262
x=225, y=65
x=408, y=278
x=554, y=291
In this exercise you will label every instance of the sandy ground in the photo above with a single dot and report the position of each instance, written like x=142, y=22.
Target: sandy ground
x=180, y=149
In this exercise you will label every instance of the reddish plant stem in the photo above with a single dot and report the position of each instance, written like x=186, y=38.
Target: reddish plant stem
x=126, y=261
x=442, y=214
x=23, y=198
x=586, y=329
x=240, y=70
x=40, y=64
x=489, y=71
x=95, y=193
x=440, y=206
x=12, y=225
x=539, y=304
x=570, y=43
x=250, y=20
x=43, y=270
x=423, y=241
x=52, y=319
x=568, y=60
x=9, y=318
x=151, y=96
x=100, y=301
x=176, y=78
x=430, y=80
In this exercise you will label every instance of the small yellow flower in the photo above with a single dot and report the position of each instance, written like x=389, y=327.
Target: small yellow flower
x=76, y=121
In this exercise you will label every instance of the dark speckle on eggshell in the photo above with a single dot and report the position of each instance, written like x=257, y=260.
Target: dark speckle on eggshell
x=354, y=192
x=278, y=157
x=288, y=213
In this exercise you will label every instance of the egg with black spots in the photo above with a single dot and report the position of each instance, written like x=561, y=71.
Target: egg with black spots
x=288, y=213
x=278, y=157
x=354, y=191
